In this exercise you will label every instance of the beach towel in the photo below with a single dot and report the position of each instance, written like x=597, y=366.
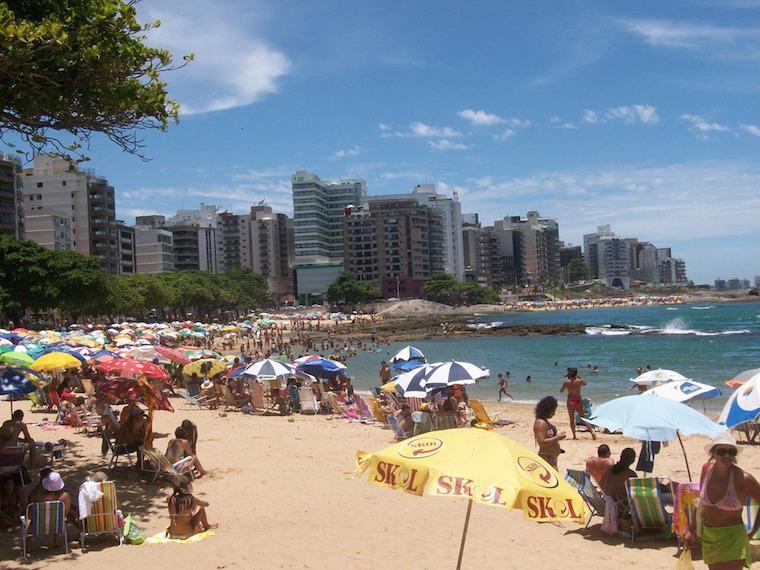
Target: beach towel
x=161, y=538
x=609, y=524
x=89, y=493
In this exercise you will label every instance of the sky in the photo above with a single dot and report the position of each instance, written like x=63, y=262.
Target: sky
x=640, y=115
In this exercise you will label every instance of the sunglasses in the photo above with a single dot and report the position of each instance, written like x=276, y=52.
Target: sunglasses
x=730, y=451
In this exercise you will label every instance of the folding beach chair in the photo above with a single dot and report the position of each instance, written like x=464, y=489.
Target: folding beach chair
x=229, y=398
x=103, y=518
x=751, y=518
x=647, y=510
x=87, y=386
x=398, y=432
x=377, y=412
x=117, y=450
x=423, y=422
x=307, y=400
x=482, y=416
x=365, y=414
x=415, y=404
x=589, y=493
x=197, y=401
x=12, y=462
x=335, y=407
x=39, y=404
x=44, y=519
x=153, y=461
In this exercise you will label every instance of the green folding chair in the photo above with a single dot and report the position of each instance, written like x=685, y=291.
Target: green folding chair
x=44, y=519
x=647, y=510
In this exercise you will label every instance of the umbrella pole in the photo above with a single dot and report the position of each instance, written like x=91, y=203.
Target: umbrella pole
x=464, y=533
x=684, y=455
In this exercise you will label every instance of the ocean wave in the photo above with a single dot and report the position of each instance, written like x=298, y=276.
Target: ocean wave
x=608, y=331
x=672, y=309
x=703, y=308
x=675, y=327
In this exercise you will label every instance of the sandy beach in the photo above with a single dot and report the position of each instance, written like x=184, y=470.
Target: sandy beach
x=284, y=493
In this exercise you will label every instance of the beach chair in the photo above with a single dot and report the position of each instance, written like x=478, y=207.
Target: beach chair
x=153, y=461
x=423, y=422
x=87, y=386
x=751, y=518
x=38, y=402
x=335, y=407
x=446, y=421
x=257, y=397
x=482, y=416
x=397, y=431
x=197, y=401
x=593, y=498
x=365, y=414
x=308, y=401
x=44, y=519
x=377, y=412
x=117, y=450
x=12, y=462
x=229, y=398
x=647, y=510
x=103, y=518
x=580, y=423
x=415, y=404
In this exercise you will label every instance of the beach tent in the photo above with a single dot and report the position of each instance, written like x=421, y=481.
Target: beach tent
x=478, y=465
x=653, y=419
x=683, y=390
x=743, y=405
x=658, y=376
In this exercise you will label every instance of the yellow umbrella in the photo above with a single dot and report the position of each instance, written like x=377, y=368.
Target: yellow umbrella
x=479, y=465
x=389, y=387
x=54, y=361
x=211, y=367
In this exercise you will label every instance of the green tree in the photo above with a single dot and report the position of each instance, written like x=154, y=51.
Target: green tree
x=80, y=67
x=442, y=288
x=26, y=277
x=80, y=283
x=347, y=291
x=577, y=270
x=474, y=294
x=242, y=288
x=153, y=292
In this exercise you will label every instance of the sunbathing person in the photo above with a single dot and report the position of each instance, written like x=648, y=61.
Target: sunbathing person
x=187, y=513
x=405, y=421
x=14, y=432
x=191, y=430
x=598, y=466
x=179, y=448
x=53, y=490
x=613, y=484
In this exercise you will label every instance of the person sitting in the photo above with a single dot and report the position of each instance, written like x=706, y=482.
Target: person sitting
x=53, y=490
x=613, y=483
x=208, y=391
x=598, y=466
x=187, y=513
x=405, y=421
x=12, y=503
x=462, y=416
x=191, y=430
x=179, y=448
x=14, y=433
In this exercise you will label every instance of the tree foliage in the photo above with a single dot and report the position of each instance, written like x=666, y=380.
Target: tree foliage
x=577, y=270
x=36, y=280
x=446, y=289
x=80, y=67
x=347, y=291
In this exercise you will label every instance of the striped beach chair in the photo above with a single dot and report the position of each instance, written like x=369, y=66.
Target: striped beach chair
x=103, y=518
x=589, y=493
x=44, y=519
x=396, y=427
x=647, y=510
x=415, y=404
x=377, y=411
x=751, y=512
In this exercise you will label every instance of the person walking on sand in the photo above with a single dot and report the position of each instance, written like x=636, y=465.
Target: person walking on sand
x=573, y=385
x=504, y=386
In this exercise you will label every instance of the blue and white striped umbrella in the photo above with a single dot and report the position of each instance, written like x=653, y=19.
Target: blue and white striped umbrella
x=683, y=390
x=408, y=353
x=743, y=405
x=453, y=372
x=269, y=368
x=406, y=365
x=412, y=384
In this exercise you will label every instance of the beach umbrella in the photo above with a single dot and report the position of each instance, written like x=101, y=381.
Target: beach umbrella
x=653, y=419
x=658, y=377
x=453, y=372
x=130, y=368
x=322, y=368
x=743, y=405
x=269, y=368
x=206, y=366
x=408, y=353
x=479, y=465
x=412, y=384
x=406, y=365
x=742, y=377
x=16, y=358
x=55, y=361
x=17, y=381
x=683, y=390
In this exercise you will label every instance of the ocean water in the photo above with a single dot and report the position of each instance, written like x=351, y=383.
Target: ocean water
x=708, y=343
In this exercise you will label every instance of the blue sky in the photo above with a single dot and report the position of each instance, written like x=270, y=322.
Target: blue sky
x=641, y=115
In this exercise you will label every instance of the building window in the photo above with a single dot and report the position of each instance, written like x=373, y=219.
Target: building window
x=39, y=184
x=63, y=183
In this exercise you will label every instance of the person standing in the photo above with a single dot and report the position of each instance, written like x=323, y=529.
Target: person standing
x=573, y=385
x=385, y=373
x=545, y=433
x=504, y=386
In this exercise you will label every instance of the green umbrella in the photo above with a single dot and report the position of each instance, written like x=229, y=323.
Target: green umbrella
x=16, y=358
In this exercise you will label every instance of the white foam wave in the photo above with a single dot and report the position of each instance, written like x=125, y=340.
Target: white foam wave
x=672, y=309
x=703, y=308
x=607, y=331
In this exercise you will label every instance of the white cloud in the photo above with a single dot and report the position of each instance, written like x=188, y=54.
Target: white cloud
x=754, y=130
x=702, y=126
x=406, y=174
x=635, y=113
x=262, y=174
x=445, y=144
x=427, y=131
x=384, y=127
x=590, y=116
x=505, y=134
x=480, y=118
x=353, y=151
x=232, y=68
x=559, y=123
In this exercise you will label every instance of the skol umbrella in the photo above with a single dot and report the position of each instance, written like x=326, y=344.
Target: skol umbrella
x=16, y=358
x=683, y=390
x=653, y=419
x=479, y=465
x=658, y=377
x=269, y=368
x=743, y=405
x=453, y=372
x=55, y=361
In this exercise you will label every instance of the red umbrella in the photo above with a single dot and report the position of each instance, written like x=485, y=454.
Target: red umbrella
x=130, y=368
x=136, y=390
x=172, y=354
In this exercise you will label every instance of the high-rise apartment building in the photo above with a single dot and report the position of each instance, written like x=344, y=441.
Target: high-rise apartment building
x=644, y=263
x=614, y=261
x=590, y=253
x=56, y=188
x=11, y=199
x=154, y=247
x=394, y=243
x=757, y=281
x=540, y=243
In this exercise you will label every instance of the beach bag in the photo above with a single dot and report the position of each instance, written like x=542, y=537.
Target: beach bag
x=684, y=561
x=609, y=524
x=133, y=534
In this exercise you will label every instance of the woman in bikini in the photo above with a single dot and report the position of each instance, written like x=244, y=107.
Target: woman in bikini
x=187, y=513
x=545, y=433
x=723, y=491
